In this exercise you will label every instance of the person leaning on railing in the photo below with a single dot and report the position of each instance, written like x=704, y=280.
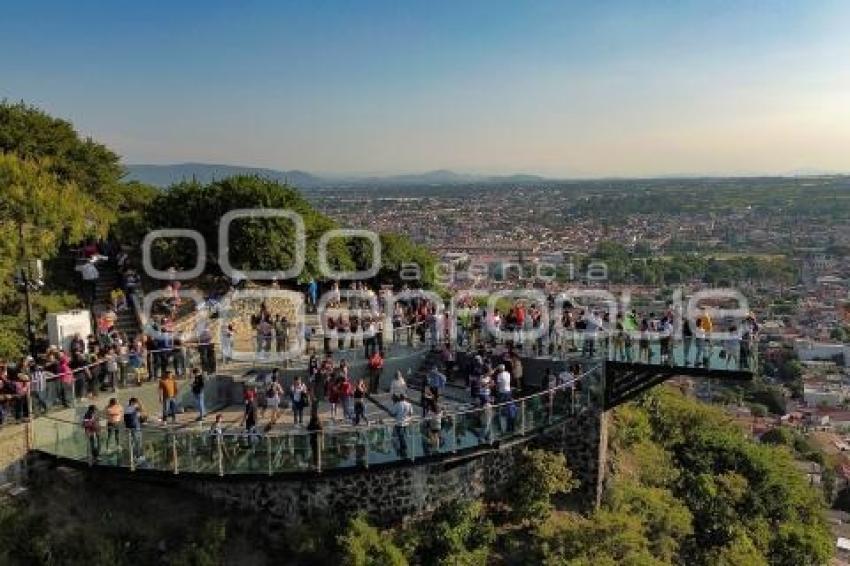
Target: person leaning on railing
x=133, y=423
x=91, y=426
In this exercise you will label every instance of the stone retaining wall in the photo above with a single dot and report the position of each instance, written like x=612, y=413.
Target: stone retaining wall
x=406, y=491
x=13, y=450
x=385, y=495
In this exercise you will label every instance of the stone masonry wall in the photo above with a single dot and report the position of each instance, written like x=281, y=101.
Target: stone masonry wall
x=387, y=496
x=585, y=444
x=405, y=492
x=13, y=449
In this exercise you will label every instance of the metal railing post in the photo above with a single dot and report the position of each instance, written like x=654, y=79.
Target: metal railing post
x=131, y=444
x=454, y=434
x=218, y=440
x=269, y=452
x=522, y=417
x=174, y=453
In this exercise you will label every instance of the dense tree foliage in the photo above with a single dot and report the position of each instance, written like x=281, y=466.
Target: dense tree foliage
x=27, y=539
x=736, y=488
x=34, y=135
x=254, y=243
x=46, y=210
x=61, y=189
x=269, y=243
x=624, y=266
x=364, y=545
x=823, y=197
x=457, y=533
x=538, y=476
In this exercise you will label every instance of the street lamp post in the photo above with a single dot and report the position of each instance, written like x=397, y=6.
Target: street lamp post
x=27, y=283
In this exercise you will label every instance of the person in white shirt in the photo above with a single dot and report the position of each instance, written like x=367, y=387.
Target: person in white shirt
x=503, y=384
x=398, y=387
x=402, y=411
x=90, y=276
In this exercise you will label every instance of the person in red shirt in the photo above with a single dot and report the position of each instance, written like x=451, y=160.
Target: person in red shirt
x=376, y=366
x=346, y=392
x=332, y=393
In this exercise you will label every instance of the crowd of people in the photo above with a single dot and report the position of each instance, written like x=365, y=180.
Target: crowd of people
x=108, y=359
x=666, y=337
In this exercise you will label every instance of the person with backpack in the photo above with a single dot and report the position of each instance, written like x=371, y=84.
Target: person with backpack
x=198, y=384
x=91, y=426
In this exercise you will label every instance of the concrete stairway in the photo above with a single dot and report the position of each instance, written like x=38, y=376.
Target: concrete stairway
x=110, y=279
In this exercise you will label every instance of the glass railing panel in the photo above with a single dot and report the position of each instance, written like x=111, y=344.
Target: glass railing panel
x=244, y=453
x=191, y=451
x=382, y=444
x=534, y=412
x=155, y=450
x=339, y=447
x=113, y=446
x=713, y=354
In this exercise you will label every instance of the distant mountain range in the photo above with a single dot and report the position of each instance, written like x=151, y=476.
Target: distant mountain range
x=165, y=175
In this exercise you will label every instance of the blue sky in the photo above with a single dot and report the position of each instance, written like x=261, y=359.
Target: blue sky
x=558, y=88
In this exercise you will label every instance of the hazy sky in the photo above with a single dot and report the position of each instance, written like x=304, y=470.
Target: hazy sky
x=559, y=88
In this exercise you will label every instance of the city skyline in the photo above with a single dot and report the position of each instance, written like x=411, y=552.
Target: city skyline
x=559, y=90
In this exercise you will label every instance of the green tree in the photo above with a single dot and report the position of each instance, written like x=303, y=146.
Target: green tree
x=666, y=520
x=780, y=435
x=731, y=483
x=364, y=545
x=794, y=544
x=204, y=549
x=739, y=551
x=607, y=538
x=458, y=533
x=32, y=134
x=399, y=252
x=253, y=243
x=537, y=476
x=45, y=212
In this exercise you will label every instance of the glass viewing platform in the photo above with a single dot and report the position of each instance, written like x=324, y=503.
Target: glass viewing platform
x=611, y=372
